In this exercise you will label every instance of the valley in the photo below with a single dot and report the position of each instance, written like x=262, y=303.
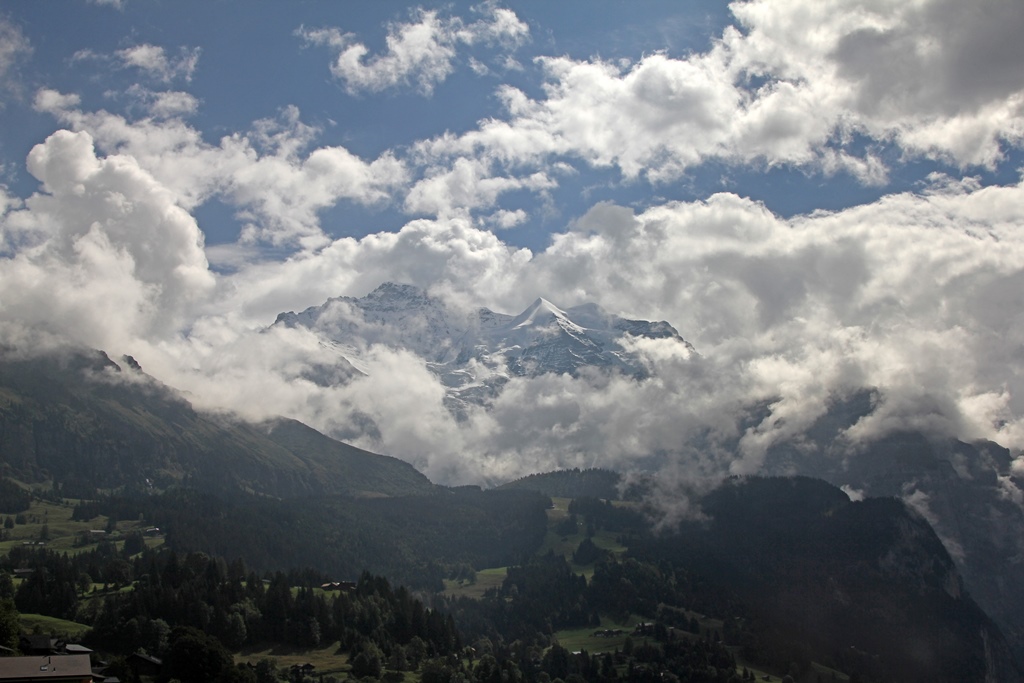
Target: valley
x=137, y=523
x=592, y=593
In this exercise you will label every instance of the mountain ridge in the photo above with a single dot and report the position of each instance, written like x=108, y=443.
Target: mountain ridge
x=475, y=353
x=81, y=421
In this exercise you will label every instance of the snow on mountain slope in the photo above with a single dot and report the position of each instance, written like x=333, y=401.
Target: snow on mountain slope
x=476, y=353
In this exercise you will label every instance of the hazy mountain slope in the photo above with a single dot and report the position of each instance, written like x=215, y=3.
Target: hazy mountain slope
x=968, y=492
x=84, y=422
x=866, y=585
x=351, y=469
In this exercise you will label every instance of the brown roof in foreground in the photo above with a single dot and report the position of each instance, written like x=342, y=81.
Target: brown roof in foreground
x=47, y=668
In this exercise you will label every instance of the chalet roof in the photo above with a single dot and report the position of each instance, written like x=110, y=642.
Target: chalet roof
x=40, y=641
x=46, y=668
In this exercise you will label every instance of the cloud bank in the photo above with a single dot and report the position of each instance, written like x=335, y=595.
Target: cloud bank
x=916, y=295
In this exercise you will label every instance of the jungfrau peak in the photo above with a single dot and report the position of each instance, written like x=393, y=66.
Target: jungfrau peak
x=475, y=353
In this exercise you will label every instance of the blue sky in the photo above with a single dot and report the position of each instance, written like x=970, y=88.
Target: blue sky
x=250, y=63
x=821, y=196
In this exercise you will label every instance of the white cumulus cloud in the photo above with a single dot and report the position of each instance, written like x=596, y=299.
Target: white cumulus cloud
x=420, y=52
x=794, y=84
x=277, y=190
x=913, y=296
x=101, y=253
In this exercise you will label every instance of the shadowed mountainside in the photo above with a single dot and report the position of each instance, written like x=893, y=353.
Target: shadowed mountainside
x=86, y=423
x=865, y=585
x=574, y=483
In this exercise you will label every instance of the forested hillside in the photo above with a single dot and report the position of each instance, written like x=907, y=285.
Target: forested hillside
x=81, y=423
x=780, y=577
x=417, y=540
x=574, y=483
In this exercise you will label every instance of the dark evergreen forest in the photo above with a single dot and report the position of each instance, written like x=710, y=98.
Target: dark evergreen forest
x=795, y=578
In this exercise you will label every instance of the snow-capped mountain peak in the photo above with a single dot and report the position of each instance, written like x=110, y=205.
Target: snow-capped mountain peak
x=476, y=353
x=544, y=314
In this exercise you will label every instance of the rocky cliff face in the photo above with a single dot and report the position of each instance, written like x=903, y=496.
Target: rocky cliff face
x=968, y=492
x=868, y=583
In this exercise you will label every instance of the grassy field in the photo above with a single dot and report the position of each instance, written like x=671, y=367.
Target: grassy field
x=561, y=543
x=485, y=579
x=578, y=639
x=326, y=659
x=608, y=540
x=30, y=623
x=584, y=638
x=62, y=530
x=565, y=544
x=63, y=533
x=816, y=673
